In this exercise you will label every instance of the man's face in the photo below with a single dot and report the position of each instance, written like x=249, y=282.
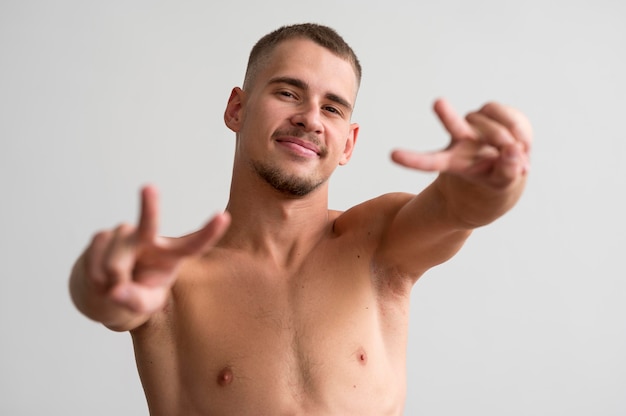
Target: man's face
x=293, y=122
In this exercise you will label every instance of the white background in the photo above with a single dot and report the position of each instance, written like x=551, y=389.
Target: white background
x=98, y=98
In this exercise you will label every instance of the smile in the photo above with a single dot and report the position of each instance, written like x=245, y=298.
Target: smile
x=299, y=146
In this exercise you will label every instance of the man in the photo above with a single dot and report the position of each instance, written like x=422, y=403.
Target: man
x=280, y=306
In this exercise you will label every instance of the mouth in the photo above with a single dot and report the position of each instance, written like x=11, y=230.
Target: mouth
x=300, y=146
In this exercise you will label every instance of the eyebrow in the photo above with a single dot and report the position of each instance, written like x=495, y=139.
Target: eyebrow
x=298, y=83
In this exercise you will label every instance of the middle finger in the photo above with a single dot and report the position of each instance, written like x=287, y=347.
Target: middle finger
x=490, y=131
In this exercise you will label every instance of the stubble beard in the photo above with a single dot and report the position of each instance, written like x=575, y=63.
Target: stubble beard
x=290, y=185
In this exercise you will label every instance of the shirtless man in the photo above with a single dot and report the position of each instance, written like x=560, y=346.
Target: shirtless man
x=280, y=306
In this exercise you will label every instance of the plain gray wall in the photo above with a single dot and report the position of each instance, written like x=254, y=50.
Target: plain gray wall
x=98, y=98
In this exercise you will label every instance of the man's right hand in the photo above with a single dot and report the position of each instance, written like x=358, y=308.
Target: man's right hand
x=125, y=274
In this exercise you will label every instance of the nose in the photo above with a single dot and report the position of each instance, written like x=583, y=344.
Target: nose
x=308, y=117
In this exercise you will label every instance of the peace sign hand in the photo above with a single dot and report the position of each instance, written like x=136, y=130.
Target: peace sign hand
x=127, y=272
x=490, y=147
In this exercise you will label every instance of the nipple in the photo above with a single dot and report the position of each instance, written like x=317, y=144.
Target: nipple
x=225, y=377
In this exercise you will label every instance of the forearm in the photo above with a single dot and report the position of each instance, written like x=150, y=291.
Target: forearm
x=474, y=205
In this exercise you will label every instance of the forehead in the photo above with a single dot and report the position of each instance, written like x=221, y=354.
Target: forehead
x=314, y=64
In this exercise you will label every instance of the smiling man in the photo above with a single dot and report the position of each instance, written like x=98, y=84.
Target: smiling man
x=280, y=306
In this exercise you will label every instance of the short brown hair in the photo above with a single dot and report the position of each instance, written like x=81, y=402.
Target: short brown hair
x=322, y=35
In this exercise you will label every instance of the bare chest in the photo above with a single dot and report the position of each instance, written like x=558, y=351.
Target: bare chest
x=316, y=338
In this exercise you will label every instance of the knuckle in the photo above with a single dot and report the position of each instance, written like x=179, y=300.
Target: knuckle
x=520, y=128
x=472, y=115
x=501, y=134
x=114, y=269
x=101, y=239
x=93, y=258
x=93, y=274
x=490, y=107
x=105, y=257
x=124, y=229
x=516, y=127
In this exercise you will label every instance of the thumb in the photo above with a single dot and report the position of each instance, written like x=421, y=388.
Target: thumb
x=139, y=298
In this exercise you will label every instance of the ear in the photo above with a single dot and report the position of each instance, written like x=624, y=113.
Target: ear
x=350, y=142
x=234, y=110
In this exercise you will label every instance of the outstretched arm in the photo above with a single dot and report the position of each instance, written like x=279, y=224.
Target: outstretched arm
x=125, y=274
x=483, y=170
x=482, y=175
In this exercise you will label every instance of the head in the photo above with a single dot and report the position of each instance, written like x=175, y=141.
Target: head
x=292, y=118
x=321, y=35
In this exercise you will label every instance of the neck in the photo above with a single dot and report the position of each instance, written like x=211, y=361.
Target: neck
x=270, y=223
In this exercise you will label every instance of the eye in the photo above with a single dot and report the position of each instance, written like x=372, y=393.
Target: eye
x=332, y=110
x=286, y=94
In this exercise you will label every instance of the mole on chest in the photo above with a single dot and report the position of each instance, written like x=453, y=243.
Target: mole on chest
x=361, y=356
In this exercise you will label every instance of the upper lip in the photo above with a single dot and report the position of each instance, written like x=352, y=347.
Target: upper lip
x=301, y=142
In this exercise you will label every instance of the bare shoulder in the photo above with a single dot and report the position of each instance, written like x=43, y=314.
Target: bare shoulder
x=367, y=225
x=409, y=233
x=372, y=216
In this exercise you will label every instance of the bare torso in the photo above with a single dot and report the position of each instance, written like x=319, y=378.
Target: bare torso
x=241, y=335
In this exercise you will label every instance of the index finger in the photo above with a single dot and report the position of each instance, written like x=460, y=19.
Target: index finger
x=457, y=126
x=149, y=214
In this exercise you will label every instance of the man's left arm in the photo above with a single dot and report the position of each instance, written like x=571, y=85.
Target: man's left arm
x=482, y=175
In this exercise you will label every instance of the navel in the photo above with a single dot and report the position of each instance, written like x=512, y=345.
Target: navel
x=225, y=376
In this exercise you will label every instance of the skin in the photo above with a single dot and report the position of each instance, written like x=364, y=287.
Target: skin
x=280, y=306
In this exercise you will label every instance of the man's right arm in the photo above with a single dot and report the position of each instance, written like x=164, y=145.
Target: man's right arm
x=101, y=299
x=125, y=275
